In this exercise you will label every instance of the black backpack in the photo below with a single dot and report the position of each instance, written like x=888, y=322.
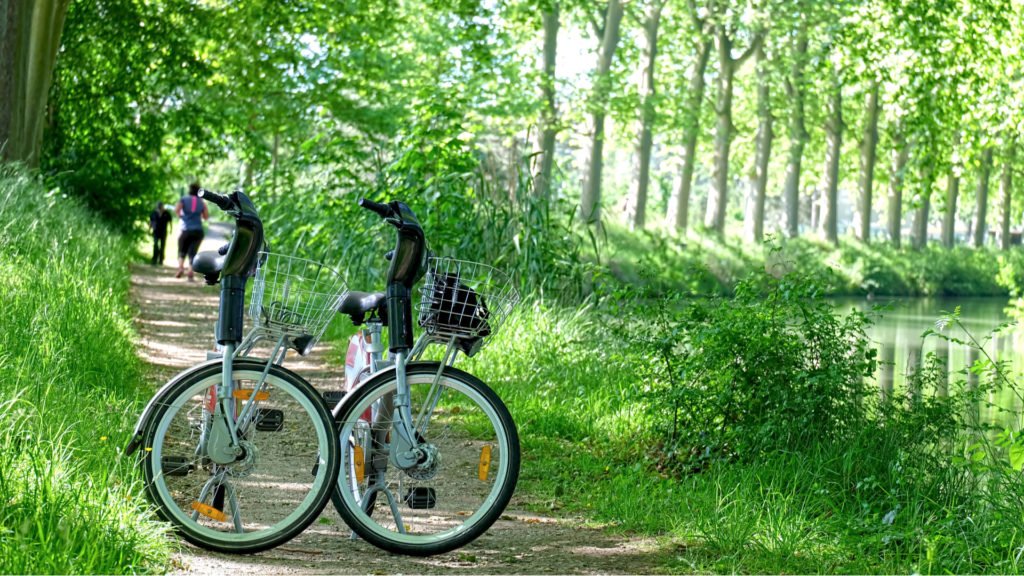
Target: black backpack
x=457, y=308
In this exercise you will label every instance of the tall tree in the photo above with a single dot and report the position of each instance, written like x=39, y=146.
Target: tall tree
x=590, y=201
x=834, y=148
x=636, y=207
x=1006, y=194
x=28, y=54
x=679, y=201
x=725, y=34
x=952, y=195
x=763, y=145
x=897, y=176
x=981, y=198
x=549, y=113
x=798, y=136
x=919, y=229
x=868, y=154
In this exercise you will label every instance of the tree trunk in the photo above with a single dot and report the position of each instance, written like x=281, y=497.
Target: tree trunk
x=834, y=137
x=32, y=35
x=9, y=10
x=981, y=197
x=714, y=217
x=679, y=202
x=797, y=134
x=1006, y=195
x=763, y=146
x=636, y=208
x=549, y=115
x=919, y=239
x=952, y=192
x=900, y=155
x=590, y=201
x=868, y=149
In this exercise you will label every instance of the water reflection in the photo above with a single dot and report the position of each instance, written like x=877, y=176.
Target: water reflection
x=898, y=329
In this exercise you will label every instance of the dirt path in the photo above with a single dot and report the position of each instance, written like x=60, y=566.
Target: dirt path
x=175, y=320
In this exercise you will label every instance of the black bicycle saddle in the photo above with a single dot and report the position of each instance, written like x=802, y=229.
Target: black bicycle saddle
x=209, y=263
x=357, y=304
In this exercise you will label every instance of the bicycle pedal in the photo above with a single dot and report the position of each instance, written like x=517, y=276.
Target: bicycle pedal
x=420, y=498
x=269, y=420
x=176, y=465
x=332, y=397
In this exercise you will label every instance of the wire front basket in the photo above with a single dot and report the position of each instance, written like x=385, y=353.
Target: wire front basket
x=467, y=300
x=295, y=297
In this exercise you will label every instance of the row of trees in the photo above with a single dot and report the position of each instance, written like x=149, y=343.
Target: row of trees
x=936, y=86
x=753, y=106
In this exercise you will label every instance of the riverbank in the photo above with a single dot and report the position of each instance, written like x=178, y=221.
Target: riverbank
x=695, y=423
x=700, y=264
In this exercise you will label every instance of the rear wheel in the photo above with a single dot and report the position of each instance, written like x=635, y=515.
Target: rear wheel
x=278, y=484
x=461, y=487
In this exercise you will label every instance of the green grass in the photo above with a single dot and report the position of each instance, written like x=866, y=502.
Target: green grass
x=70, y=387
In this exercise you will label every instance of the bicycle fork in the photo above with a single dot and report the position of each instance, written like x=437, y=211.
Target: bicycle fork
x=223, y=442
x=402, y=439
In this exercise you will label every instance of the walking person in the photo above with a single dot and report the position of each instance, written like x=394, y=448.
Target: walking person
x=192, y=211
x=159, y=219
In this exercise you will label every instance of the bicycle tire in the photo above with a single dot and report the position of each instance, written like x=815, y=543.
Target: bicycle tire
x=454, y=500
x=275, y=490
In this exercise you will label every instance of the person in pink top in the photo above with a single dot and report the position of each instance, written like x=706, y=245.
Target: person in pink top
x=192, y=211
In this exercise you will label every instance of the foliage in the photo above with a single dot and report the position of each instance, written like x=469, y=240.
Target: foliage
x=123, y=66
x=734, y=378
x=466, y=212
x=71, y=390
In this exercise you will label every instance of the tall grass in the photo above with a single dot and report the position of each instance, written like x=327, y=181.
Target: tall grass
x=70, y=386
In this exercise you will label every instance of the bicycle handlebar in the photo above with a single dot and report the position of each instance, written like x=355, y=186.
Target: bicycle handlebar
x=224, y=202
x=382, y=210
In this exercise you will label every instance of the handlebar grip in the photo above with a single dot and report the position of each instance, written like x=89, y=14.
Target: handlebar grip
x=220, y=200
x=382, y=210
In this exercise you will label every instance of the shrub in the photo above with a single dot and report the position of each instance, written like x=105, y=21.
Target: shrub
x=774, y=367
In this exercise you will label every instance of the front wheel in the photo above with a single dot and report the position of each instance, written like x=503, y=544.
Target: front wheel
x=281, y=479
x=462, y=486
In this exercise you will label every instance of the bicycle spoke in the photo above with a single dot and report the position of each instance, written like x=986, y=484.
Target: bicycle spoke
x=236, y=512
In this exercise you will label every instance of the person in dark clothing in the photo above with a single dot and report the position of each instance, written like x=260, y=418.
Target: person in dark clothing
x=158, y=222
x=192, y=211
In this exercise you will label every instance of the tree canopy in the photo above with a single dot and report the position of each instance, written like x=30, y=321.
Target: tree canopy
x=769, y=115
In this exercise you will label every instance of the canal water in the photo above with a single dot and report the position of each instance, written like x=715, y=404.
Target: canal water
x=897, y=332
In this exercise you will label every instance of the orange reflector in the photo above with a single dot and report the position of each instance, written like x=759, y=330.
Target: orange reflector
x=209, y=512
x=485, y=463
x=357, y=459
x=244, y=395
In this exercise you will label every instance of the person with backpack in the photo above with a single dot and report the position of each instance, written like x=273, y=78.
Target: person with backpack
x=159, y=219
x=192, y=211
